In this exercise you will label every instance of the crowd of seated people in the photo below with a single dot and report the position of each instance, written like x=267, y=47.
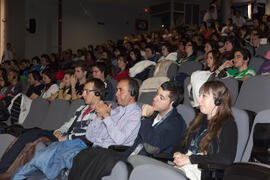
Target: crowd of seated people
x=223, y=52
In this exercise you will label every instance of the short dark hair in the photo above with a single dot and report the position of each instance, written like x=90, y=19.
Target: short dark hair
x=102, y=67
x=82, y=65
x=168, y=46
x=47, y=57
x=69, y=72
x=244, y=52
x=36, y=58
x=151, y=47
x=99, y=86
x=36, y=75
x=133, y=87
x=176, y=91
x=15, y=73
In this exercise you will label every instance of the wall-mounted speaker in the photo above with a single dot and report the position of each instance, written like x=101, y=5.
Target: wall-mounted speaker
x=32, y=26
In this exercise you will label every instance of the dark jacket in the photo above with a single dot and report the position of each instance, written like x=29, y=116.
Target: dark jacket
x=221, y=150
x=94, y=163
x=164, y=136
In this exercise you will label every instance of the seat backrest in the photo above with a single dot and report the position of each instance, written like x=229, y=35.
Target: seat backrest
x=190, y=66
x=247, y=171
x=262, y=50
x=73, y=107
x=172, y=70
x=261, y=117
x=187, y=112
x=253, y=95
x=255, y=63
x=150, y=171
x=151, y=71
x=37, y=114
x=242, y=122
x=233, y=85
x=57, y=114
x=146, y=97
x=25, y=86
x=119, y=172
x=6, y=140
x=186, y=96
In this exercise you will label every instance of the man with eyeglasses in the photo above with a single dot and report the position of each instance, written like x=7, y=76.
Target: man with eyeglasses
x=118, y=126
x=75, y=128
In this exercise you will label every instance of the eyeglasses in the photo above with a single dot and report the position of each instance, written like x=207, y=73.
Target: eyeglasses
x=89, y=90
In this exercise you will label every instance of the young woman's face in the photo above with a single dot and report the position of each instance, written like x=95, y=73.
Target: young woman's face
x=132, y=56
x=46, y=79
x=188, y=47
x=210, y=60
x=207, y=48
x=206, y=103
x=66, y=80
x=228, y=46
x=121, y=63
x=165, y=51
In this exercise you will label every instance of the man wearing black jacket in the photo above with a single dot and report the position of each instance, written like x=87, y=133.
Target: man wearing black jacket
x=163, y=129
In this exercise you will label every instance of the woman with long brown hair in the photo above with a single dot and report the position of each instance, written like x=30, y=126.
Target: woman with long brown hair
x=212, y=136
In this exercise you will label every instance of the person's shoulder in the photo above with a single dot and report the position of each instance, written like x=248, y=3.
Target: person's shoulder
x=176, y=116
x=54, y=86
x=229, y=123
x=251, y=70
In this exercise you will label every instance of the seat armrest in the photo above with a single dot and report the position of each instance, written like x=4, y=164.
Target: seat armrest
x=119, y=148
x=213, y=167
x=163, y=157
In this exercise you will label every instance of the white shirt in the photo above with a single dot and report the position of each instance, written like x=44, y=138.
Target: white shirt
x=156, y=120
x=52, y=90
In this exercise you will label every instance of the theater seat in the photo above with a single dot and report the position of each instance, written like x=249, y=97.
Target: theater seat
x=157, y=172
x=247, y=171
x=37, y=114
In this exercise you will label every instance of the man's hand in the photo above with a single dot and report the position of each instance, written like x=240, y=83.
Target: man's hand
x=62, y=138
x=103, y=110
x=147, y=110
x=61, y=86
x=57, y=134
x=228, y=64
x=73, y=81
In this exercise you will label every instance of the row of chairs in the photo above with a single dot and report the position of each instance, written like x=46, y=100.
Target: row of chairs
x=59, y=112
x=241, y=168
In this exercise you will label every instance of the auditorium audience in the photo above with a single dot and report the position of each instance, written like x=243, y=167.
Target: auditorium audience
x=224, y=51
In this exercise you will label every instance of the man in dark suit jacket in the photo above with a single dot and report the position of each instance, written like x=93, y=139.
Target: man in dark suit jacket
x=165, y=126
